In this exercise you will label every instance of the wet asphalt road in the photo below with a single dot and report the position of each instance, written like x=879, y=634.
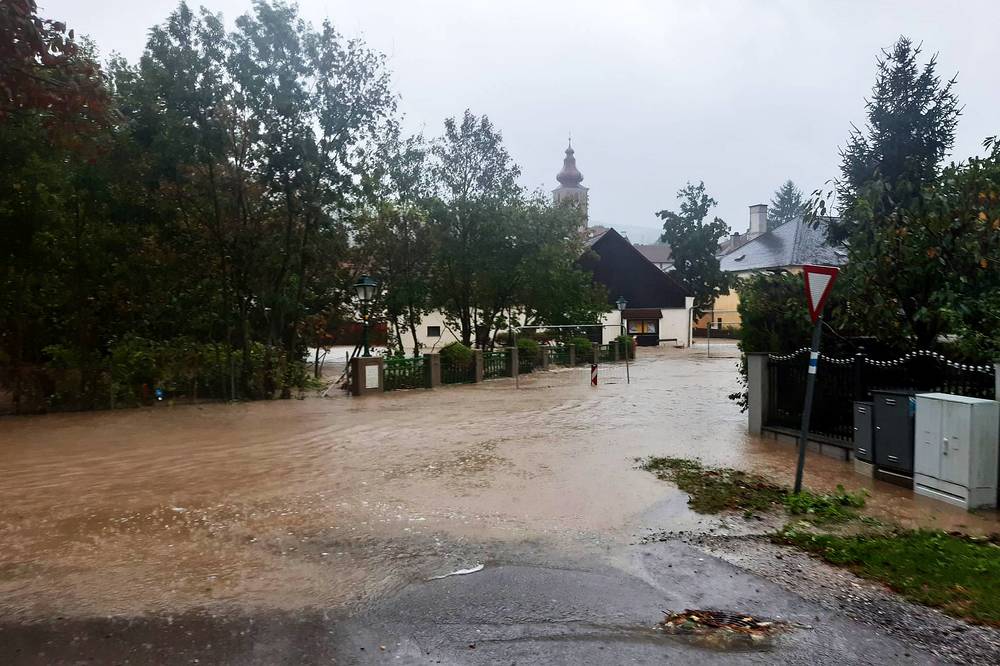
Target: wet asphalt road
x=601, y=612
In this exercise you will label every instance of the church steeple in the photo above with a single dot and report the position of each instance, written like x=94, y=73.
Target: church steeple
x=570, y=176
x=570, y=188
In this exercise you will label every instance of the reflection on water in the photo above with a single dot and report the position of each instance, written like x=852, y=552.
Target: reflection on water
x=326, y=502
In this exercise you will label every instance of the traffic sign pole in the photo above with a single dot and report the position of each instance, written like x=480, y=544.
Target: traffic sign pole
x=807, y=406
x=818, y=282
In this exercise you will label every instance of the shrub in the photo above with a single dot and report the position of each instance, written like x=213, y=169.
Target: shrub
x=527, y=348
x=456, y=354
x=582, y=345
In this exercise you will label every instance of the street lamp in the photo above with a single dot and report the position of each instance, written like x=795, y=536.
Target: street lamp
x=621, y=303
x=365, y=289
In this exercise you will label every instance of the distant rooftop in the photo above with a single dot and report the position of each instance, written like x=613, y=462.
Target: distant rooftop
x=658, y=253
x=792, y=244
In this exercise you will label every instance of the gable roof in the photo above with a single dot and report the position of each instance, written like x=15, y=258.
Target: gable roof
x=625, y=272
x=658, y=253
x=792, y=244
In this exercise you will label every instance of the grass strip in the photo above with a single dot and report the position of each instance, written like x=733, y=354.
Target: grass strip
x=714, y=490
x=959, y=575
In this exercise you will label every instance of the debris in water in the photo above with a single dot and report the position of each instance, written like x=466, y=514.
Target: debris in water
x=460, y=572
x=721, y=629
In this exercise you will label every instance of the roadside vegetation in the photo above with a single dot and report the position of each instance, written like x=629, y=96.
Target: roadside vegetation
x=191, y=223
x=953, y=572
x=957, y=574
x=714, y=490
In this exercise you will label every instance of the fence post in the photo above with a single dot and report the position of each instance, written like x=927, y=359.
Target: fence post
x=432, y=370
x=615, y=347
x=860, y=392
x=367, y=375
x=571, y=356
x=596, y=354
x=757, y=390
x=512, y=357
x=477, y=359
x=544, y=356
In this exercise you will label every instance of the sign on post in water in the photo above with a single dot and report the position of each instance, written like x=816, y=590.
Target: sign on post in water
x=819, y=281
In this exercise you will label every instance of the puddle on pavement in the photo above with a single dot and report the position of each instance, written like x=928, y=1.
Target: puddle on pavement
x=327, y=502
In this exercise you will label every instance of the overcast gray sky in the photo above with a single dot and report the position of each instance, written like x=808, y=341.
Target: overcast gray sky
x=741, y=95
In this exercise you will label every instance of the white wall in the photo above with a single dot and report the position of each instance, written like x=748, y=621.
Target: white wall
x=428, y=344
x=676, y=323
x=613, y=328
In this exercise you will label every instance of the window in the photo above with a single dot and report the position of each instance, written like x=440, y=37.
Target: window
x=433, y=331
x=640, y=326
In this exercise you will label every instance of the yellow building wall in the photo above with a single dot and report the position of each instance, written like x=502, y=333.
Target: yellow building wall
x=725, y=306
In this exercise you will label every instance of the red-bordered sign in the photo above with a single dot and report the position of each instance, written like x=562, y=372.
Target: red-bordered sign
x=819, y=282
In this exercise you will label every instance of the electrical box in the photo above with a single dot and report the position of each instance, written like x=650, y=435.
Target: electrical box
x=955, y=456
x=893, y=414
x=863, y=431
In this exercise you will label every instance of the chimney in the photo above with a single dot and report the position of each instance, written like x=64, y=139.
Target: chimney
x=758, y=218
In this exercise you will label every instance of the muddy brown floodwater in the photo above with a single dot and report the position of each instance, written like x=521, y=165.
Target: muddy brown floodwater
x=328, y=502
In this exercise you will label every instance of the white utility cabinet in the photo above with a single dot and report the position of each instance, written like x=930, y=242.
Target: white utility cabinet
x=955, y=449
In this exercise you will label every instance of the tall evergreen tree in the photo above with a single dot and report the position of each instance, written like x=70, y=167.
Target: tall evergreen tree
x=911, y=124
x=788, y=204
x=886, y=172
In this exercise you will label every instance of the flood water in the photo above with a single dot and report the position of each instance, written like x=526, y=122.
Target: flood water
x=329, y=502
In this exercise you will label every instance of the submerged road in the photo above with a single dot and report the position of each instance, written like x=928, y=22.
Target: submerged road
x=310, y=531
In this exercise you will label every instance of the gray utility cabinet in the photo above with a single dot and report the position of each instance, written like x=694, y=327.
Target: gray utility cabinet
x=893, y=440
x=956, y=449
x=863, y=431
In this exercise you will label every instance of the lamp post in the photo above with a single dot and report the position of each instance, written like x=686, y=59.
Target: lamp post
x=365, y=289
x=621, y=303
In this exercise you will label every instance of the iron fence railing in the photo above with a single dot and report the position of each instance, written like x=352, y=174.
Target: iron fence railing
x=404, y=373
x=453, y=372
x=606, y=354
x=496, y=364
x=525, y=362
x=559, y=356
x=841, y=381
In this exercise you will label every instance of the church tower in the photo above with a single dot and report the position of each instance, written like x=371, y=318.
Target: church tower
x=569, y=185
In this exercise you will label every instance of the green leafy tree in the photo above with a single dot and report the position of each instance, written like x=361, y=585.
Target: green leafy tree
x=551, y=287
x=204, y=212
x=397, y=244
x=953, y=242
x=693, y=243
x=476, y=183
x=787, y=204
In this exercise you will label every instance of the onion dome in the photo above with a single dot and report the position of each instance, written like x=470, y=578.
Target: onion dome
x=570, y=176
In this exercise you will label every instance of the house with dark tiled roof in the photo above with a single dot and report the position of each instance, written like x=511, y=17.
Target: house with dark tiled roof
x=657, y=306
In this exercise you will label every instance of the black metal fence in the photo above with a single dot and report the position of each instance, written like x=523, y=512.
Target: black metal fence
x=496, y=364
x=453, y=372
x=404, y=373
x=559, y=356
x=841, y=381
x=525, y=363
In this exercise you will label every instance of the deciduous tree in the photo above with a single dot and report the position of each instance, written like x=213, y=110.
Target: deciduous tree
x=694, y=242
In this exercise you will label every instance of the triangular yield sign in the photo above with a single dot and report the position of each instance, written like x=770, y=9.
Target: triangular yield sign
x=819, y=281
